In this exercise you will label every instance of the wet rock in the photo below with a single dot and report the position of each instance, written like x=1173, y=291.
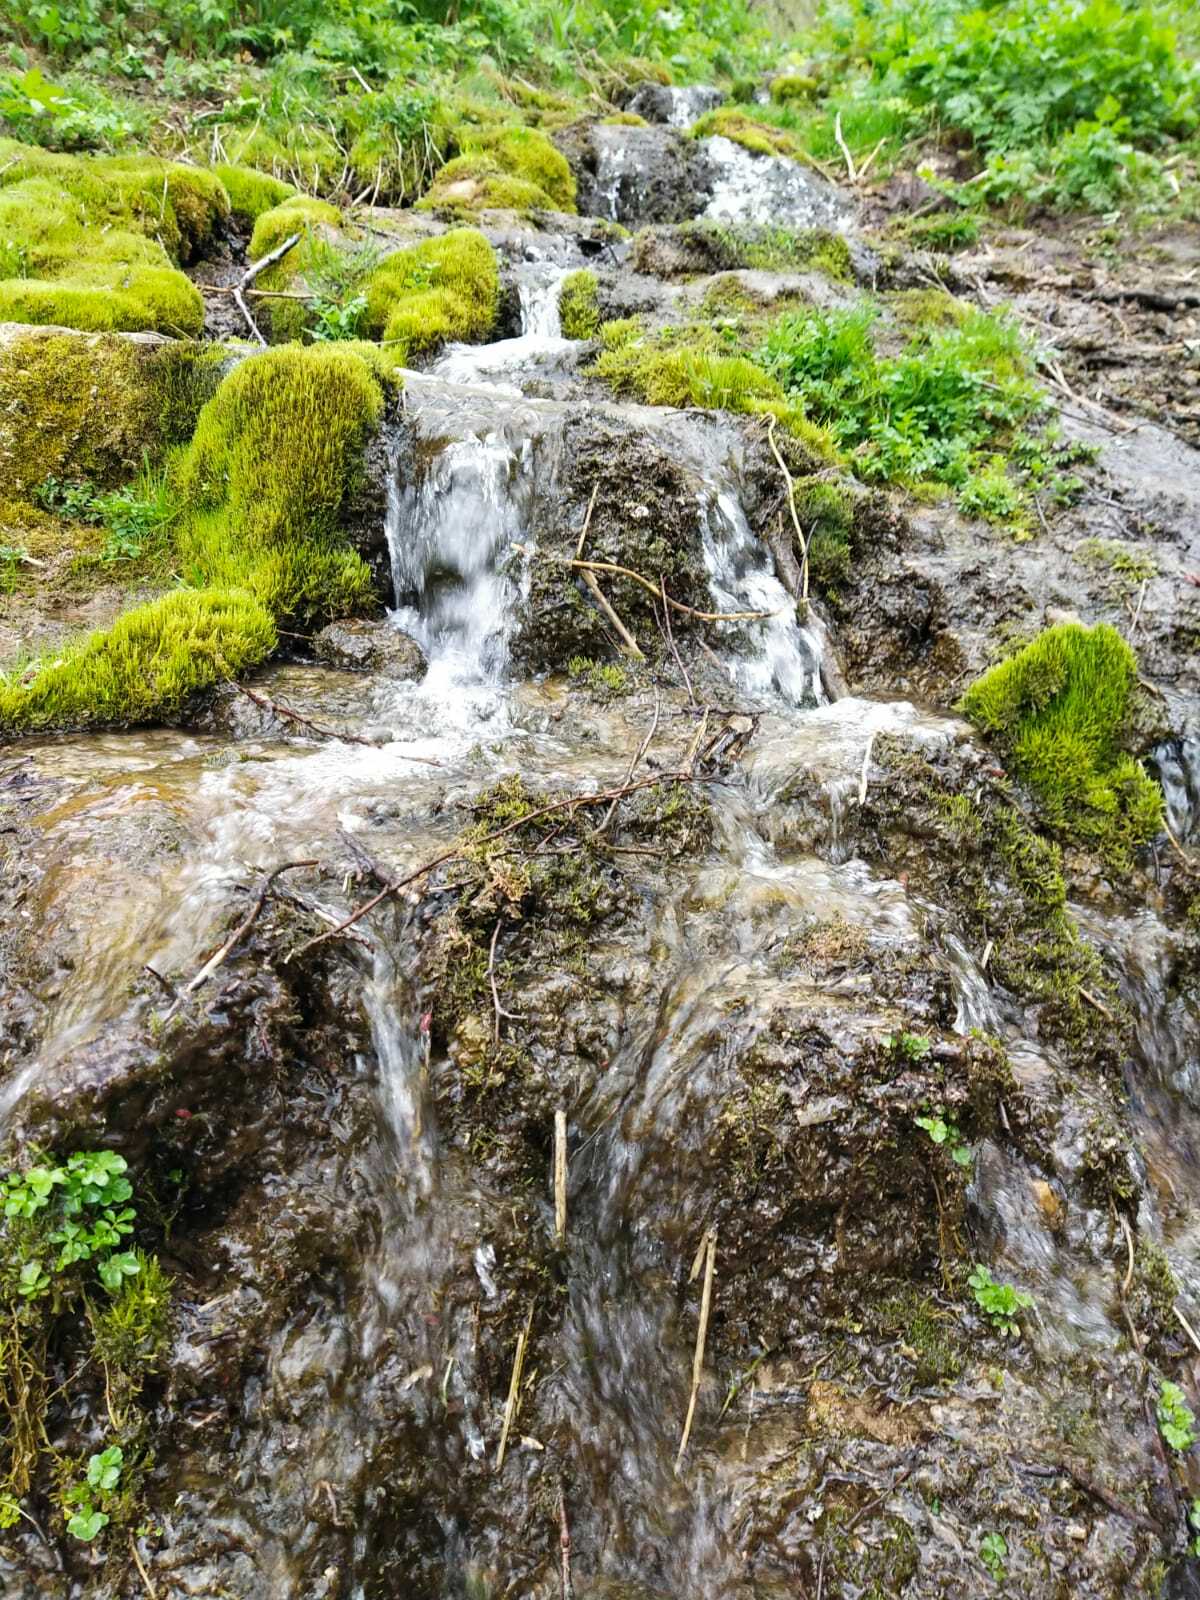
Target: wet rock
x=745, y=186
x=675, y=107
x=636, y=175
x=360, y=645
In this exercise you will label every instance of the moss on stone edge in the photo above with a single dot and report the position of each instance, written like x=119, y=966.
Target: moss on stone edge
x=665, y=373
x=92, y=243
x=145, y=666
x=511, y=168
x=1058, y=709
x=728, y=122
x=444, y=288
x=261, y=488
x=250, y=192
x=579, y=305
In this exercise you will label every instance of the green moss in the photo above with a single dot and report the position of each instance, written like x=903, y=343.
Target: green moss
x=144, y=667
x=444, y=288
x=790, y=86
x=250, y=192
x=480, y=183
x=265, y=476
x=261, y=489
x=92, y=242
x=826, y=512
x=728, y=122
x=620, y=331
x=1058, y=709
x=579, y=306
x=681, y=374
x=297, y=215
x=528, y=154
x=624, y=119
x=705, y=246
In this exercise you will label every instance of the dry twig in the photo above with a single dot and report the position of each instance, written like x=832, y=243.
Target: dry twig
x=248, y=277
x=514, y=1389
x=710, y=1263
x=560, y=1175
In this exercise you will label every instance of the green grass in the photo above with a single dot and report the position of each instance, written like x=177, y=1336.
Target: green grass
x=1057, y=710
x=934, y=414
x=578, y=305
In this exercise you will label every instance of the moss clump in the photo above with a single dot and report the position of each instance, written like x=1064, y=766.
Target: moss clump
x=297, y=215
x=265, y=476
x=261, y=489
x=705, y=246
x=663, y=372
x=1058, y=709
x=528, y=154
x=728, y=122
x=789, y=86
x=145, y=666
x=444, y=288
x=579, y=305
x=826, y=512
x=92, y=243
x=250, y=192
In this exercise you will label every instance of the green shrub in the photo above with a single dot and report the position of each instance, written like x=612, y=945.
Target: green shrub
x=1058, y=709
x=579, y=306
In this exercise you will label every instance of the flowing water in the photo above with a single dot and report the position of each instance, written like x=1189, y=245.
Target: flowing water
x=393, y=1360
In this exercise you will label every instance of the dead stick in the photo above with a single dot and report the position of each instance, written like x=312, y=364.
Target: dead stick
x=671, y=641
x=560, y=1175
x=491, y=972
x=572, y=803
x=1186, y=1326
x=514, y=1386
x=1129, y=1247
x=791, y=499
x=248, y=277
x=633, y=766
x=587, y=521
x=145, y=1576
x=1098, y=1004
x=710, y=1263
x=288, y=715
x=844, y=148
x=676, y=605
x=629, y=644
x=235, y=938
x=564, y=1545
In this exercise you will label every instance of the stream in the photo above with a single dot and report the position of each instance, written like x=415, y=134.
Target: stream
x=365, y=1241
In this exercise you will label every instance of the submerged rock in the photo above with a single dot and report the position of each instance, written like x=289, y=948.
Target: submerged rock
x=361, y=645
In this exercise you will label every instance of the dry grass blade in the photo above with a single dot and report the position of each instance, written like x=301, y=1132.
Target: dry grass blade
x=514, y=1389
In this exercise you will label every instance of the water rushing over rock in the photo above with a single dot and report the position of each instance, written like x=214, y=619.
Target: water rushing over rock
x=640, y=869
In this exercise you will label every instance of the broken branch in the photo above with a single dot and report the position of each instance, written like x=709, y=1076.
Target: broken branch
x=248, y=277
x=710, y=1262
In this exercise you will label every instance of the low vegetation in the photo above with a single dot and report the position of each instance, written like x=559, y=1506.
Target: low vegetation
x=76, y=1293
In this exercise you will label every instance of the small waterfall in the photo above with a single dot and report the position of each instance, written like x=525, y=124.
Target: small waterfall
x=784, y=660
x=538, y=289
x=1177, y=767
x=448, y=535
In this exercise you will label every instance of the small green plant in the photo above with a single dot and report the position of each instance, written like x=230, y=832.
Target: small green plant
x=911, y=1046
x=1176, y=1419
x=61, y=1215
x=338, y=319
x=1193, y=1520
x=84, y=1501
x=1000, y=1302
x=606, y=679
x=947, y=1134
x=992, y=1552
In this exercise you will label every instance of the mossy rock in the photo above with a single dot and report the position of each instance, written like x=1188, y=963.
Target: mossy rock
x=296, y=215
x=760, y=138
x=93, y=243
x=442, y=289
x=1058, y=709
x=510, y=168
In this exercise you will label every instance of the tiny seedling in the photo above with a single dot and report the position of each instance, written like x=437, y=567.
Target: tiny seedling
x=103, y=1476
x=1176, y=1419
x=999, y=1301
x=992, y=1551
x=913, y=1046
x=948, y=1134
